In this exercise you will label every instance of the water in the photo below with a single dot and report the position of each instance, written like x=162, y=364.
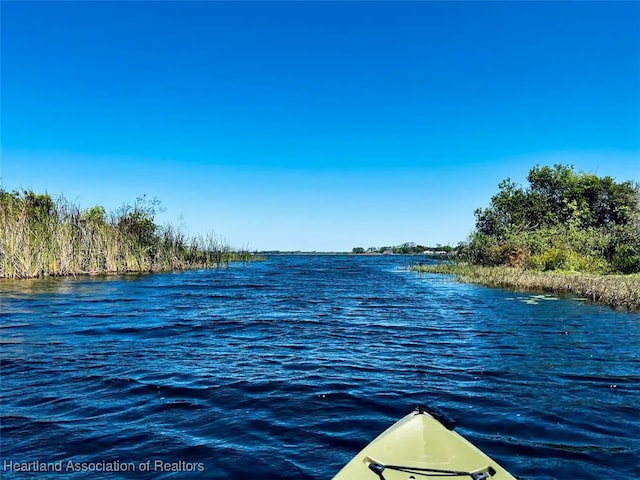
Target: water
x=286, y=368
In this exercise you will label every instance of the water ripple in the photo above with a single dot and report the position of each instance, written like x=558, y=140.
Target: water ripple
x=287, y=367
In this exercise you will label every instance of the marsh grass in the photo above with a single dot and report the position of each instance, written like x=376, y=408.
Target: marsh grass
x=618, y=291
x=43, y=237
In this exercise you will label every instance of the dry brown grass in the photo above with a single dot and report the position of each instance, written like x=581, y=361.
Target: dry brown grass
x=618, y=291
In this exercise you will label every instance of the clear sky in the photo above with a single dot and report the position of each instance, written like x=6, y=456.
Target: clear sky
x=314, y=125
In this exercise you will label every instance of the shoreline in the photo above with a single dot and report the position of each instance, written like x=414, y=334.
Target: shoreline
x=42, y=237
x=222, y=264
x=616, y=291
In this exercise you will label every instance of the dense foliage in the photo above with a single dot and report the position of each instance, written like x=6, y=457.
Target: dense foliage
x=563, y=220
x=41, y=236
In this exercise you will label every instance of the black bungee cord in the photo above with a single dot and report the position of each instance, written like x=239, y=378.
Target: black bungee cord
x=378, y=469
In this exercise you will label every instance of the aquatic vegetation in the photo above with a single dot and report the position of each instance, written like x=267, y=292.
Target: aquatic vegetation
x=620, y=291
x=41, y=236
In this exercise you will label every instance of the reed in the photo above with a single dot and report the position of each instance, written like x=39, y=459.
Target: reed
x=41, y=237
x=618, y=291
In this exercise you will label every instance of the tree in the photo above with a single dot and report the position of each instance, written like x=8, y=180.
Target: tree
x=586, y=219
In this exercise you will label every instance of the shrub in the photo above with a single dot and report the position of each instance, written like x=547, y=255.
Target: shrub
x=626, y=259
x=564, y=259
x=518, y=258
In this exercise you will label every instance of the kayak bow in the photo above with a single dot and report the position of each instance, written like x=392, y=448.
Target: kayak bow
x=422, y=445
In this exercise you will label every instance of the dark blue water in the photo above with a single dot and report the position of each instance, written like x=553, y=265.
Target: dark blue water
x=286, y=368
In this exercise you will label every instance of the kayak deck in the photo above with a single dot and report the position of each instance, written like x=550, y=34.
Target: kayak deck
x=421, y=445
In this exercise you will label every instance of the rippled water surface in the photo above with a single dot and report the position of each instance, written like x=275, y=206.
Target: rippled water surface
x=286, y=368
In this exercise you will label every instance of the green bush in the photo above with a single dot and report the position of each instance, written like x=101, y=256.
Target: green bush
x=563, y=220
x=626, y=259
x=568, y=260
x=483, y=250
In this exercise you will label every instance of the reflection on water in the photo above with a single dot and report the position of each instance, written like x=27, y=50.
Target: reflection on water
x=288, y=367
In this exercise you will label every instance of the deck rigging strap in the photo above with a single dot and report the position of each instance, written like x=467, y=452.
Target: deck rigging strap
x=378, y=468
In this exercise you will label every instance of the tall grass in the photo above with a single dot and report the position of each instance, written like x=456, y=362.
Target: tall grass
x=41, y=237
x=619, y=291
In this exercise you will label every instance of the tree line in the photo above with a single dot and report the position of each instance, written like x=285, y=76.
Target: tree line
x=561, y=220
x=409, y=248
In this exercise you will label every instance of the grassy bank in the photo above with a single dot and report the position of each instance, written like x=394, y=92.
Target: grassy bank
x=42, y=237
x=619, y=291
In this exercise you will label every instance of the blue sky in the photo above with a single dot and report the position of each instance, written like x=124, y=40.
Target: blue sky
x=314, y=125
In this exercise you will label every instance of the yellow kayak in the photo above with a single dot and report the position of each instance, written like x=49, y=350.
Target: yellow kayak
x=421, y=445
